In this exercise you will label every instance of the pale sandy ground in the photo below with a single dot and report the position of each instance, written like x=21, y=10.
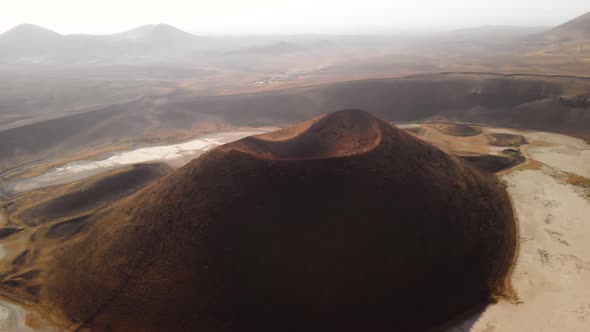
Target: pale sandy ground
x=2, y=249
x=13, y=319
x=552, y=273
x=10, y=316
x=407, y=125
x=469, y=145
x=567, y=153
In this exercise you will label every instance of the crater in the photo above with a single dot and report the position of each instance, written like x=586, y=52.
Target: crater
x=340, y=134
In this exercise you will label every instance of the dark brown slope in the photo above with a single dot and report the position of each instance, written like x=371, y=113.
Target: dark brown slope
x=343, y=223
x=96, y=192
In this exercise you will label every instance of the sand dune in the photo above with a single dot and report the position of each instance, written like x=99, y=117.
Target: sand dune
x=552, y=274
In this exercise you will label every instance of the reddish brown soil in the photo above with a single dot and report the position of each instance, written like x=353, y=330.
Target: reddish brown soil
x=331, y=136
x=344, y=223
x=456, y=129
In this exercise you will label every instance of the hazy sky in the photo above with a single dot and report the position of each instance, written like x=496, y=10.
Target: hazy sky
x=279, y=16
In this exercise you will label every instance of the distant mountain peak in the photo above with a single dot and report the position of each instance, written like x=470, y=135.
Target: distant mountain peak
x=158, y=32
x=147, y=28
x=27, y=30
x=165, y=26
x=28, y=43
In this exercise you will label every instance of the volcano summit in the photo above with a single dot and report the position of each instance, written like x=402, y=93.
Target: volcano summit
x=341, y=223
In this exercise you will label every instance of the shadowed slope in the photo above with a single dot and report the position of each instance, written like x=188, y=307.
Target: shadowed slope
x=503, y=139
x=97, y=192
x=495, y=163
x=344, y=223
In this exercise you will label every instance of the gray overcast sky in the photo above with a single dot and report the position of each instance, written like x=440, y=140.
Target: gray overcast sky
x=279, y=16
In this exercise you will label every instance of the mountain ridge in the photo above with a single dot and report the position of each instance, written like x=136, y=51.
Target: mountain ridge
x=578, y=28
x=28, y=29
x=144, y=28
x=29, y=43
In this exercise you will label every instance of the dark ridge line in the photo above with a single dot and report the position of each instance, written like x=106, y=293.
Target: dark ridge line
x=513, y=74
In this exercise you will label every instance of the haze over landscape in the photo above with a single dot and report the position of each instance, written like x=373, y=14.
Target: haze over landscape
x=295, y=166
x=235, y=17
